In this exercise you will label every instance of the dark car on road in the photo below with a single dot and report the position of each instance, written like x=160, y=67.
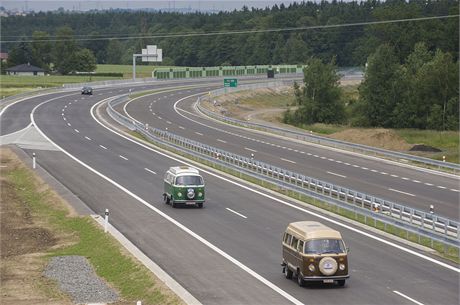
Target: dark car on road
x=87, y=90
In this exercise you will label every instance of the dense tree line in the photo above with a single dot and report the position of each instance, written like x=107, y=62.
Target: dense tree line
x=422, y=92
x=350, y=45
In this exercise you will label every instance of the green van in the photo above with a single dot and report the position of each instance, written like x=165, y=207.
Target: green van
x=183, y=185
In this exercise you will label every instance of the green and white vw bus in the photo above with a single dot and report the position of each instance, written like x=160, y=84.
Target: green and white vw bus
x=183, y=185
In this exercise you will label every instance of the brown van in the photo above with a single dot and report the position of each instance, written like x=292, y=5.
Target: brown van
x=314, y=252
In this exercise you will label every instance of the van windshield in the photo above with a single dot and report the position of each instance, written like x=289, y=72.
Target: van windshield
x=189, y=180
x=321, y=246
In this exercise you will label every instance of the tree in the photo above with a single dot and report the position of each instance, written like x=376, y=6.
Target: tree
x=41, y=49
x=20, y=54
x=383, y=85
x=437, y=83
x=114, y=52
x=83, y=61
x=64, y=50
x=320, y=99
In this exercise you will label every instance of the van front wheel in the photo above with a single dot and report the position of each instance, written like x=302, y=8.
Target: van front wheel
x=300, y=280
x=287, y=272
x=166, y=199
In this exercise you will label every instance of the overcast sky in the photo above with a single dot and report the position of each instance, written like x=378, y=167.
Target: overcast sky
x=40, y=5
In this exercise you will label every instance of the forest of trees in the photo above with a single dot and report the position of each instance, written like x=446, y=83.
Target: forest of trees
x=411, y=67
x=113, y=36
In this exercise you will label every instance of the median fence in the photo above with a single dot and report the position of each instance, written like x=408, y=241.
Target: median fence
x=412, y=221
x=363, y=149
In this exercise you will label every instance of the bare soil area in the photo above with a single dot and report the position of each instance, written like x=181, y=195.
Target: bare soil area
x=24, y=241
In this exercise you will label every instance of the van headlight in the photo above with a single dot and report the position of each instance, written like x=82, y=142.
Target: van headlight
x=342, y=267
x=179, y=194
x=311, y=267
x=200, y=194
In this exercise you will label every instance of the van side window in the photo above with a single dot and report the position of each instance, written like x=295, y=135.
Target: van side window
x=294, y=242
x=300, y=246
x=287, y=238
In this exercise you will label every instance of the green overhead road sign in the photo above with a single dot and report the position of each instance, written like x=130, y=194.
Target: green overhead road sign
x=230, y=82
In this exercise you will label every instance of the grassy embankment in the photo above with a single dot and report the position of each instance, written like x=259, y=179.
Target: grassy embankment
x=75, y=235
x=11, y=85
x=447, y=141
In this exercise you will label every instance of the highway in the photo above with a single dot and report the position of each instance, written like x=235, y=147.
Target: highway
x=412, y=187
x=219, y=256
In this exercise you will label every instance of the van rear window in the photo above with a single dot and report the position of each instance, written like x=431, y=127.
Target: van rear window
x=189, y=180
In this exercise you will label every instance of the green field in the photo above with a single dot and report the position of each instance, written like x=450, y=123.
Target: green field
x=13, y=84
x=127, y=70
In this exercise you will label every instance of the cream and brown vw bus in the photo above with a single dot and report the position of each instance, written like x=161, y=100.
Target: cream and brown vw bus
x=314, y=252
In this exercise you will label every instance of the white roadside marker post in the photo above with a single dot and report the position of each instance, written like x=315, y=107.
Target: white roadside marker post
x=106, y=222
x=34, y=162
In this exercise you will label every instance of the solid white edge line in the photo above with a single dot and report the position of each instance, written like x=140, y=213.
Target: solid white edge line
x=408, y=298
x=241, y=215
x=401, y=192
x=369, y=235
x=159, y=212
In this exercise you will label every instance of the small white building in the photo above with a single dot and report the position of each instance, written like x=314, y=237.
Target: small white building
x=25, y=69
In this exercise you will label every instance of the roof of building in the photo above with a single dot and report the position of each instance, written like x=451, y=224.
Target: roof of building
x=25, y=68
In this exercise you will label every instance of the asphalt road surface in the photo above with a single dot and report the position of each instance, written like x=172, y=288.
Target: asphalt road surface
x=218, y=255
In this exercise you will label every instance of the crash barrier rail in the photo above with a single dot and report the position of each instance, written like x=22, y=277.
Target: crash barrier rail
x=422, y=223
x=363, y=149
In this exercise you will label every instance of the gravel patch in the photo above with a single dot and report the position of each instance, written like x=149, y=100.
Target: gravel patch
x=76, y=277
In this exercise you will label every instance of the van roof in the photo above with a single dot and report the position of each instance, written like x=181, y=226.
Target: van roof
x=177, y=170
x=312, y=230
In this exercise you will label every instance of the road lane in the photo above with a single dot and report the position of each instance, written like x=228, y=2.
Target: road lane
x=255, y=242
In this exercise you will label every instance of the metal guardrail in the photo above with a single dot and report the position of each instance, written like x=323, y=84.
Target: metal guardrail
x=429, y=225
x=314, y=138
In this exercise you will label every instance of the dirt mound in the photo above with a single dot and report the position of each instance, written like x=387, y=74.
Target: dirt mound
x=379, y=137
x=424, y=148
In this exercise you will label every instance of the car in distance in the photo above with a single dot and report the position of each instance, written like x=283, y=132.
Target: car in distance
x=183, y=185
x=313, y=252
x=87, y=90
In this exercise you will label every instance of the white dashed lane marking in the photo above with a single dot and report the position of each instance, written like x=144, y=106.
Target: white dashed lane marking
x=441, y=187
x=290, y=161
x=250, y=149
x=335, y=174
x=150, y=171
x=222, y=141
x=241, y=215
x=102, y=147
x=77, y=131
x=198, y=133
x=68, y=124
x=88, y=138
x=401, y=192
x=123, y=157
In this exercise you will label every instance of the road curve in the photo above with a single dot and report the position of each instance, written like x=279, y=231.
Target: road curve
x=220, y=257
